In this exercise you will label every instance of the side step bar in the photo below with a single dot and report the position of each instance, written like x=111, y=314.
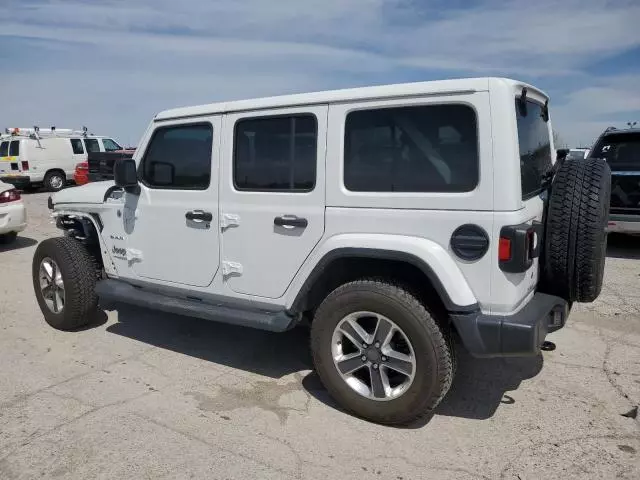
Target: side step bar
x=119, y=291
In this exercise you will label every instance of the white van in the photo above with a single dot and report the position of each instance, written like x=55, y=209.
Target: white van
x=31, y=156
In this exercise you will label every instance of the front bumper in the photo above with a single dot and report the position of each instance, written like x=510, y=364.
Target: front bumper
x=13, y=217
x=520, y=334
x=18, y=181
x=624, y=224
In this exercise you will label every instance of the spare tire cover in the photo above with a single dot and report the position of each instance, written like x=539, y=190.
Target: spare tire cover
x=575, y=234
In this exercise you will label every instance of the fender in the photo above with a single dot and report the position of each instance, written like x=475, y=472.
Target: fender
x=434, y=261
x=108, y=264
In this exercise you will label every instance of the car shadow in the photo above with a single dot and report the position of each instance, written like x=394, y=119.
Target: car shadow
x=479, y=387
x=623, y=246
x=19, y=243
x=265, y=353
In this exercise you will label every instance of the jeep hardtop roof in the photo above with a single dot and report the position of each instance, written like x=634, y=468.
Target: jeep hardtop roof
x=436, y=87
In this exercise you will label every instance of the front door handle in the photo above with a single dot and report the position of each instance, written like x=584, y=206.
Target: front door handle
x=199, y=215
x=290, y=221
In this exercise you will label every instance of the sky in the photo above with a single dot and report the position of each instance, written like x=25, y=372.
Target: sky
x=113, y=64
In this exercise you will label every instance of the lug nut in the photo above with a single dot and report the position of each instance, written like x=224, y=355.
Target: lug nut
x=364, y=358
x=377, y=344
x=375, y=366
x=364, y=345
x=384, y=359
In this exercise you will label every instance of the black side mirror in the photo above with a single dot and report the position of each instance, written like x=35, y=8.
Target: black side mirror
x=126, y=175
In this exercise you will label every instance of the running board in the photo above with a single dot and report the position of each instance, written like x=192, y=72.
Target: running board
x=119, y=291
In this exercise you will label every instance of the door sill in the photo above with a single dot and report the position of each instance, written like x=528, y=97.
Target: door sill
x=190, y=306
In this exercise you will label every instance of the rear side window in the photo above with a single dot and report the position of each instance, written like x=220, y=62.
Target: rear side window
x=76, y=145
x=430, y=148
x=276, y=153
x=14, y=148
x=621, y=151
x=4, y=149
x=92, y=145
x=535, y=148
x=179, y=157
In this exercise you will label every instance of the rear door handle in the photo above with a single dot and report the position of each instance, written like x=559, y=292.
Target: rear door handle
x=199, y=215
x=290, y=221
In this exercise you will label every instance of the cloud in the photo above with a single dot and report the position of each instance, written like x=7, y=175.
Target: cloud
x=156, y=54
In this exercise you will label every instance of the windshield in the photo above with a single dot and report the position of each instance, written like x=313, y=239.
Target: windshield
x=535, y=148
x=621, y=151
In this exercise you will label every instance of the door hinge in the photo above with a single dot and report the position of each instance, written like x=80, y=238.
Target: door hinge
x=231, y=268
x=229, y=220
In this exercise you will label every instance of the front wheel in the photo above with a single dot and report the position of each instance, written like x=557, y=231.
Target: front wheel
x=380, y=353
x=64, y=280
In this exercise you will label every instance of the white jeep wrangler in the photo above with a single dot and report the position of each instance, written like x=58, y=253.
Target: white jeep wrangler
x=392, y=218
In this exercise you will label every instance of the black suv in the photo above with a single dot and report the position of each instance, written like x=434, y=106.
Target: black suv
x=621, y=150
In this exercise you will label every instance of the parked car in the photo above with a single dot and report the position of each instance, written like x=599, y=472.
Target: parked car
x=578, y=153
x=13, y=216
x=392, y=218
x=81, y=175
x=100, y=164
x=621, y=150
x=34, y=156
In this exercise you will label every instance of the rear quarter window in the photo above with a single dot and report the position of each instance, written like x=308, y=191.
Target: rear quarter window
x=14, y=148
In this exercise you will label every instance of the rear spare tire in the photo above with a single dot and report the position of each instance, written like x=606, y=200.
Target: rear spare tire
x=576, y=239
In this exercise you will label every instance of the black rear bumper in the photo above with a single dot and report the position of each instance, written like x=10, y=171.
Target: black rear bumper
x=520, y=334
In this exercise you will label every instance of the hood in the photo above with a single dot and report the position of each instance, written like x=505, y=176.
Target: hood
x=89, y=193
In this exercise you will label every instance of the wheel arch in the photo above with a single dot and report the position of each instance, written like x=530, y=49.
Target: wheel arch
x=412, y=258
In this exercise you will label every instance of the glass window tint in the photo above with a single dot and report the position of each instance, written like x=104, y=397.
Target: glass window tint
x=179, y=157
x=535, y=148
x=620, y=150
x=76, y=145
x=92, y=145
x=276, y=153
x=14, y=148
x=4, y=149
x=110, y=145
x=431, y=148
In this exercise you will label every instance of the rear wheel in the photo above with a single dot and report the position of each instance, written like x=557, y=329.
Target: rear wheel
x=576, y=238
x=380, y=353
x=54, y=181
x=64, y=278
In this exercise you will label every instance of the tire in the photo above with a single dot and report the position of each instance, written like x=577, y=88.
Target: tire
x=54, y=181
x=576, y=238
x=434, y=363
x=8, y=238
x=78, y=273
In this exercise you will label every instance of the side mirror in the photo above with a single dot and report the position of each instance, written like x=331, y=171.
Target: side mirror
x=126, y=175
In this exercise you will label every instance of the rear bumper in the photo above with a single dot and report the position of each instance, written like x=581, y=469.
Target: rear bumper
x=520, y=334
x=13, y=217
x=17, y=180
x=624, y=223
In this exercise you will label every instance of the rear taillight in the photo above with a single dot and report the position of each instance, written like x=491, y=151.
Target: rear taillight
x=504, y=249
x=518, y=246
x=82, y=166
x=9, y=196
x=25, y=166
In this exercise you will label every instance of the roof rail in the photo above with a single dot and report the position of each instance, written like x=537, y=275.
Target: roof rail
x=37, y=133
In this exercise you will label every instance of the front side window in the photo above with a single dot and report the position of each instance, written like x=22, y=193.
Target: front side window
x=535, y=147
x=92, y=145
x=4, y=149
x=179, y=157
x=110, y=145
x=76, y=145
x=428, y=148
x=276, y=153
x=14, y=148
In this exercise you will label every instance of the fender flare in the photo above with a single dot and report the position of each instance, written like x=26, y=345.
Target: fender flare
x=433, y=260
